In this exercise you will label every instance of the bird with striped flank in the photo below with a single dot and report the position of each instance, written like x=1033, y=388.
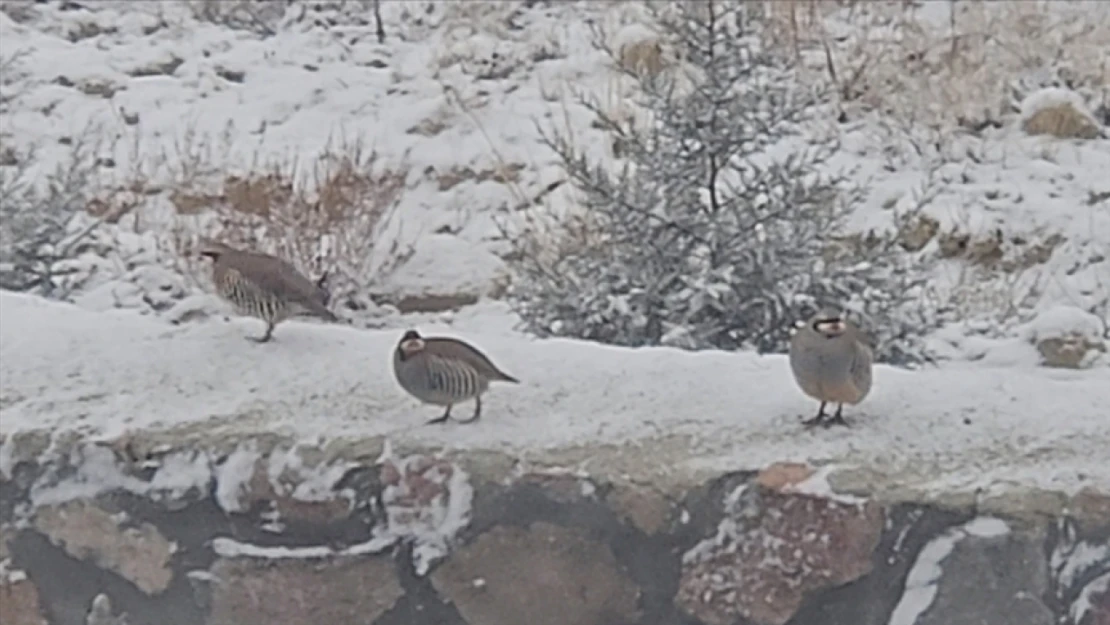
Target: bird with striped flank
x=831, y=363
x=444, y=371
x=264, y=286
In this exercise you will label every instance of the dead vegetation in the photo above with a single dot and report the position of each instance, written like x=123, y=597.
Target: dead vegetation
x=501, y=173
x=994, y=250
x=39, y=202
x=326, y=218
x=642, y=57
x=260, y=18
x=961, y=62
x=265, y=18
x=1063, y=121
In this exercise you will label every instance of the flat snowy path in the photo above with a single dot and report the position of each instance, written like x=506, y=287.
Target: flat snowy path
x=959, y=426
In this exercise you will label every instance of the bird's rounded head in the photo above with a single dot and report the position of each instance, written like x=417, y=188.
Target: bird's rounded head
x=212, y=249
x=828, y=323
x=411, y=344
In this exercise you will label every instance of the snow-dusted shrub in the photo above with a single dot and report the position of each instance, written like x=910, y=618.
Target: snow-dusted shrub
x=266, y=19
x=261, y=18
x=724, y=225
x=940, y=64
x=36, y=214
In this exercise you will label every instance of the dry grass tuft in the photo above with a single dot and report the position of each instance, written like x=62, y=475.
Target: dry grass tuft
x=258, y=17
x=978, y=293
x=917, y=231
x=1063, y=121
x=944, y=63
x=644, y=57
x=327, y=218
x=994, y=251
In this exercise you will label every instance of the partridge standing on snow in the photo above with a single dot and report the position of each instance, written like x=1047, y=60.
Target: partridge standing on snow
x=444, y=371
x=831, y=363
x=263, y=286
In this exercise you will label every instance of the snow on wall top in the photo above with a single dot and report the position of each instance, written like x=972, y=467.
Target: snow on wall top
x=958, y=426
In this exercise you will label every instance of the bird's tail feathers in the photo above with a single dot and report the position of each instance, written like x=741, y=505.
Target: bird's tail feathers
x=327, y=315
x=318, y=309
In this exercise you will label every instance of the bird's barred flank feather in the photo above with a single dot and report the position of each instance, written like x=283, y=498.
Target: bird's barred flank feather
x=444, y=371
x=264, y=286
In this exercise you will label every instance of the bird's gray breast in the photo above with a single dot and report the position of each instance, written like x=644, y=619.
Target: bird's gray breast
x=820, y=362
x=412, y=376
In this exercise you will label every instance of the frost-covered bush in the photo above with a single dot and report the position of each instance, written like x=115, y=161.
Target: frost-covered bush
x=36, y=215
x=724, y=224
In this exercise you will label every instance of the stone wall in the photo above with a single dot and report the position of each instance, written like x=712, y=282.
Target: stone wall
x=106, y=536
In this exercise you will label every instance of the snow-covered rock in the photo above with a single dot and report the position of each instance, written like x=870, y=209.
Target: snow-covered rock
x=1058, y=112
x=1067, y=336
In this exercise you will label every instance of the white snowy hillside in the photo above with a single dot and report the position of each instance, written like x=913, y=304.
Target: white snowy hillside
x=135, y=126
x=956, y=428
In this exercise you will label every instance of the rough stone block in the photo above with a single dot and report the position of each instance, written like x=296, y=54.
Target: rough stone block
x=772, y=550
x=19, y=603
x=990, y=575
x=646, y=509
x=541, y=575
x=140, y=553
x=302, y=592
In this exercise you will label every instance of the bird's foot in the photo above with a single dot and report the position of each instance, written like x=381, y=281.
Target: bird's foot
x=260, y=339
x=815, y=421
x=440, y=419
x=836, y=419
x=470, y=420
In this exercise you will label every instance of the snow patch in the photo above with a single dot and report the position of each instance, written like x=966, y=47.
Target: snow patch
x=1052, y=97
x=921, y=582
x=233, y=477
x=728, y=529
x=8, y=575
x=427, y=503
x=1073, y=558
x=818, y=485
x=986, y=527
x=96, y=471
x=230, y=548
x=1061, y=320
x=923, y=579
x=1084, y=603
x=7, y=457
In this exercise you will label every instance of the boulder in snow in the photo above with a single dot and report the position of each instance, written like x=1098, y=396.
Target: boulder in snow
x=1067, y=337
x=1058, y=112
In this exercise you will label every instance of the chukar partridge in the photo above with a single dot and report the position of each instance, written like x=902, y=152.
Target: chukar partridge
x=831, y=363
x=444, y=371
x=263, y=286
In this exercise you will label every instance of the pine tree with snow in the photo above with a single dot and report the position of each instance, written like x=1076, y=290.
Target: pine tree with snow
x=723, y=224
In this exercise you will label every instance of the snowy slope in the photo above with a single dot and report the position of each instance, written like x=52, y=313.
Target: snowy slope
x=172, y=100
x=65, y=368
x=453, y=89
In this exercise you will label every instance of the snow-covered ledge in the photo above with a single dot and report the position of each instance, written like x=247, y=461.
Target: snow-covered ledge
x=191, y=476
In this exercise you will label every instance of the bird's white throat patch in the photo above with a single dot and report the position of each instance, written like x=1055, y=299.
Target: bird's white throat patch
x=412, y=346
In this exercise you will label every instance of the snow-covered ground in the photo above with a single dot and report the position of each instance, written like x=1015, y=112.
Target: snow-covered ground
x=454, y=96
x=955, y=427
